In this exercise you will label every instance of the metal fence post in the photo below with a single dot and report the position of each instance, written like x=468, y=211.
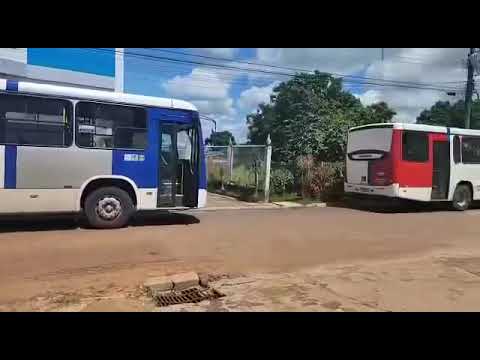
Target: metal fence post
x=230, y=158
x=268, y=158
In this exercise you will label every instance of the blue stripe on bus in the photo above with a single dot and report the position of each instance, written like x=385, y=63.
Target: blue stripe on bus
x=12, y=85
x=10, y=167
x=129, y=163
x=171, y=115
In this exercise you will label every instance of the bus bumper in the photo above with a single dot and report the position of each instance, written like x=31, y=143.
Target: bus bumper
x=383, y=191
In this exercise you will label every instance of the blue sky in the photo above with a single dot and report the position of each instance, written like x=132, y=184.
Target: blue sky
x=229, y=95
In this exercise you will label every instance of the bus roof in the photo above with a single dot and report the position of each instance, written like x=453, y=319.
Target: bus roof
x=419, y=127
x=88, y=94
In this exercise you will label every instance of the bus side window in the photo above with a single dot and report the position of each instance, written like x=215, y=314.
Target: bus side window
x=470, y=150
x=415, y=146
x=456, y=149
x=35, y=121
x=110, y=126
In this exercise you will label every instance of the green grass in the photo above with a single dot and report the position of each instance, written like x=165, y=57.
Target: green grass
x=285, y=197
x=242, y=175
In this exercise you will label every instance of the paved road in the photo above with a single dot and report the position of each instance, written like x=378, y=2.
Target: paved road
x=55, y=256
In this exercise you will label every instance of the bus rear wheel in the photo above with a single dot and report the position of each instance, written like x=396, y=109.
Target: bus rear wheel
x=108, y=208
x=462, y=197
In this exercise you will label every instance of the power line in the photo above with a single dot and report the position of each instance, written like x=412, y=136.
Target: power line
x=289, y=68
x=367, y=84
x=424, y=86
x=151, y=57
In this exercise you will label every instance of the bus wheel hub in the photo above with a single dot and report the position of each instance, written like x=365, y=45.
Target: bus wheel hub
x=108, y=208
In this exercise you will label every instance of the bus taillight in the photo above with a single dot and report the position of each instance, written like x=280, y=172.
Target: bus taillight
x=380, y=171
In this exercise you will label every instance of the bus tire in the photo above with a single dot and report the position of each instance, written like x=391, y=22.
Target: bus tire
x=462, y=197
x=108, y=208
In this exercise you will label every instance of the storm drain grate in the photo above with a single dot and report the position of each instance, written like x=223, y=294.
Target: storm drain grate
x=193, y=295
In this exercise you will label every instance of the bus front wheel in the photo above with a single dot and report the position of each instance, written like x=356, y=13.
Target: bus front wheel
x=108, y=208
x=462, y=197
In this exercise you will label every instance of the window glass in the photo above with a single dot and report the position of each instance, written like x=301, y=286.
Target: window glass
x=470, y=150
x=184, y=145
x=415, y=146
x=28, y=120
x=456, y=149
x=110, y=126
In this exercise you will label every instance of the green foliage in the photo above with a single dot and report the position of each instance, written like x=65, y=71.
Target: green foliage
x=216, y=174
x=320, y=180
x=327, y=181
x=241, y=175
x=452, y=115
x=281, y=180
x=310, y=115
x=221, y=138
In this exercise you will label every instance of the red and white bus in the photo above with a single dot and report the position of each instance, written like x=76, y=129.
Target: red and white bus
x=415, y=162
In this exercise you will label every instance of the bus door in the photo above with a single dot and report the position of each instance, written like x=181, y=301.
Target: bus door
x=441, y=168
x=178, y=168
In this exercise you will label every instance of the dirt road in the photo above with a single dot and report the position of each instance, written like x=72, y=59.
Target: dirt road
x=53, y=260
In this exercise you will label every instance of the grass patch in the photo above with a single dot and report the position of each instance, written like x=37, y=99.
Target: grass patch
x=285, y=197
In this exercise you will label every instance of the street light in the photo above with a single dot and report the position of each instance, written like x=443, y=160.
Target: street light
x=455, y=94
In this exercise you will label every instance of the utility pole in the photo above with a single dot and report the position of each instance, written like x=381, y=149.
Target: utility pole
x=469, y=92
x=383, y=54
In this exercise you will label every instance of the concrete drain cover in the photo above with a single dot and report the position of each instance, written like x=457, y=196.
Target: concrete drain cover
x=192, y=295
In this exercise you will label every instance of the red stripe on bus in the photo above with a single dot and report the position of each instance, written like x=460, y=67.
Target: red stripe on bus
x=409, y=173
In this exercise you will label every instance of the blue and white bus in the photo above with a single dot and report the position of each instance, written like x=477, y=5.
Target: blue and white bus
x=107, y=154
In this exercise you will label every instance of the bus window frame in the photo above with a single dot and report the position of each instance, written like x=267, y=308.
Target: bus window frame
x=71, y=123
x=145, y=110
x=467, y=137
x=460, y=157
x=405, y=132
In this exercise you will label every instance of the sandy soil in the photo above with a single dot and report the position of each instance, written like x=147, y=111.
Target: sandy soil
x=327, y=259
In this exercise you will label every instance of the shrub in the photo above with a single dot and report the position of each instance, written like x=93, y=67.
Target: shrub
x=281, y=180
x=319, y=180
x=327, y=181
x=305, y=165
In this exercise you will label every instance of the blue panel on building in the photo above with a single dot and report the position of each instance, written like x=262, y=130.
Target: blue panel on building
x=87, y=60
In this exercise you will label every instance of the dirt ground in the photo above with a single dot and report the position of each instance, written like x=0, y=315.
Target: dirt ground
x=315, y=259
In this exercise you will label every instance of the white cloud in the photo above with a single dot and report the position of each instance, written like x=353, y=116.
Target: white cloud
x=370, y=97
x=215, y=107
x=345, y=61
x=250, y=98
x=199, y=84
x=209, y=92
x=218, y=52
x=210, y=88
x=441, y=68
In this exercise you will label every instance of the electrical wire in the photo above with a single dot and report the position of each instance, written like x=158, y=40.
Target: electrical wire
x=390, y=83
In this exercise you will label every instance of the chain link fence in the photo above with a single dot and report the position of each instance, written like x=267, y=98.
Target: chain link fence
x=239, y=170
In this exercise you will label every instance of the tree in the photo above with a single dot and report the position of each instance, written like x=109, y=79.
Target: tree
x=310, y=115
x=221, y=138
x=381, y=112
x=442, y=113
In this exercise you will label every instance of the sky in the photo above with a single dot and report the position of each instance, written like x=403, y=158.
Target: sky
x=228, y=95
